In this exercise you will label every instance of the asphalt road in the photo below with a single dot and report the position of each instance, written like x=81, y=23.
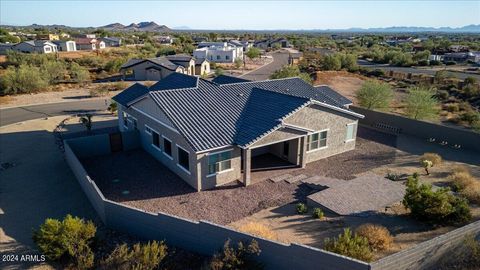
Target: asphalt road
x=280, y=59
x=460, y=75
x=19, y=114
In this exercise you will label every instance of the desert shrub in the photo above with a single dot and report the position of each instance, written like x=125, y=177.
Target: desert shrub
x=434, y=62
x=291, y=71
x=467, y=185
x=442, y=94
x=113, y=107
x=78, y=73
x=375, y=95
x=436, y=207
x=141, y=256
x=471, y=117
x=351, y=245
x=421, y=103
x=435, y=158
x=452, y=107
x=392, y=176
x=116, y=86
x=460, y=168
x=68, y=238
x=318, y=213
x=379, y=238
x=24, y=79
x=241, y=257
x=114, y=65
x=450, y=63
x=471, y=90
x=259, y=229
x=54, y=71
x=301, y=208
x=99, y=92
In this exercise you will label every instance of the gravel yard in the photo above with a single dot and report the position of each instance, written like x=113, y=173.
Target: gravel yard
x=137, y=179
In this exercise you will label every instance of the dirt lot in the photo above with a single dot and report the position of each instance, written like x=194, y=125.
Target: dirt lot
x=343, y=82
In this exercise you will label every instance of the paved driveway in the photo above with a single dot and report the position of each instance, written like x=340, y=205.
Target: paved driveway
x=280, y=58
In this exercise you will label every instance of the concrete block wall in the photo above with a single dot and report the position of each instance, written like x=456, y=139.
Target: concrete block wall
x=421, y=129
x=207, y=238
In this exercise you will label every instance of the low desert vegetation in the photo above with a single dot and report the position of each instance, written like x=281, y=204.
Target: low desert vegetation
x=291, y=71
x=467, y=185
x=351, y=245
x=141, y=256
x=435, y=158
x=99, y=91
x=439, y=207
x=69, y=239
x=317, y=213
x=375, y=95
x=240, y=257
x=301, y=208
x=379, y=237
x=259, y=230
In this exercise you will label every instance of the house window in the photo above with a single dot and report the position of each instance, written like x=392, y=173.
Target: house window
x=317, y=140
x=183, y=159
x=167, y=147
x=148, y=130
x=227, y=57
x=219, y=162
x=218, y=57
x=155, y=139
x=350, y=130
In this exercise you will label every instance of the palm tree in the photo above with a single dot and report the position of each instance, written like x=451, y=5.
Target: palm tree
x=86, y=120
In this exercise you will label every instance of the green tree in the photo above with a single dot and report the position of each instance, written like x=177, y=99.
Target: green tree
x=375, y=95
x=212, y=36
x=54, y=71
x=253, y=53
x=219, y=71
x=436, y=207
x=331, y=62
x=421, y=103
x=349, y=62
x=69, y=238
x=78, y=73
x=290, y=71
x=5, y=37
x=24, y=79
x=165, y=50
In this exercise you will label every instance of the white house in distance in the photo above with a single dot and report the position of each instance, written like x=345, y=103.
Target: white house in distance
x=66, y=45
x=219, y=52
x=35, y=46
x=89, y=44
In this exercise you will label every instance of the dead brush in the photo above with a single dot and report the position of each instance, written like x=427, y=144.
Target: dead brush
x=379, y=238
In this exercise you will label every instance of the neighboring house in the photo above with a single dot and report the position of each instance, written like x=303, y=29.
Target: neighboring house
x=294, y=58
x=219, y=52
x=241, y=43
x=66, y=45
x=458, y=48
x=272, y=43
x=165, y=40
x=51, y=37
x=435, y=57
x=210, y=134
x=101, y=44
x=91, y=36
x=202, y=67
x=111, y=41
x=152, y=69
x=4, y=47
x=461, y=57
x=86, y=44
x=35, y=46
x=186, y=61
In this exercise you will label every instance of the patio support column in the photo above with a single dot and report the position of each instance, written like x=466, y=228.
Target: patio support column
x=247, y=159
x=303, y=151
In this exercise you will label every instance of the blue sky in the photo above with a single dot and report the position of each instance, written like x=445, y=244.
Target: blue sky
x=245, y=14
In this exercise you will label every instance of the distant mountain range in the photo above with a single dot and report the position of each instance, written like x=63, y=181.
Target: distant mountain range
x=142, y=27
x=154, y=27
x=473, y=28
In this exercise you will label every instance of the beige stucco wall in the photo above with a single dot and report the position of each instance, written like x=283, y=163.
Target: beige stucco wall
x=177, y=140
x=319, y=118
x=211, y=181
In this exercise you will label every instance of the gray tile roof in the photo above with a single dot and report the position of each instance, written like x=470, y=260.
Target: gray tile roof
x=334, y=95
x=224, y=79
x=160, y=61
x=210, y=115
x=130, y=94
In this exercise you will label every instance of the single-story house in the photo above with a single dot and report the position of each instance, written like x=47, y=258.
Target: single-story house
x=271, y=43
x=66, y=45
x=4, y=47
x=50, y=37
x=202, y=67
x=184, y=60
x=241, y=43
x=219, y=52
x=86, y=44
x=152, y=69
x=35, y=46
x=111, y=41
x=211, y=134
x=165, y=40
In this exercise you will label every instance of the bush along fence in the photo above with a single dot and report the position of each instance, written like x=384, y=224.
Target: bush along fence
x=207, y=238
x=390, y=123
